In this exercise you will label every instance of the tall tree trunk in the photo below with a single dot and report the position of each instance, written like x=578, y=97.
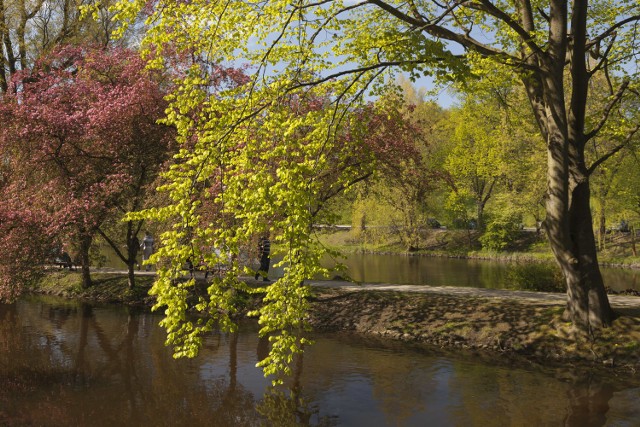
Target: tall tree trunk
x=570, y=232
x=568, y=220
x=590, y=306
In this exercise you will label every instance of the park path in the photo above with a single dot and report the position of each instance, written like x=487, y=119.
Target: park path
x=538, y=298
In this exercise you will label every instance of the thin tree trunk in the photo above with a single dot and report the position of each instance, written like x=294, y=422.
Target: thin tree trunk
x=85, y=262
x=3, y=74
x=602, y=227
x=131, y=274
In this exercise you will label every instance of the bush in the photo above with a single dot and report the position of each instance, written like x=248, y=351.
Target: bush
x=501, y=231
x=536, y=277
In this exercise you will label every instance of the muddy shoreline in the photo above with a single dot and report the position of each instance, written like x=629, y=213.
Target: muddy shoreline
x=519, y=331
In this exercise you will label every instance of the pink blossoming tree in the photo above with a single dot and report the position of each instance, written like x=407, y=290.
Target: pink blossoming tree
x=81, y=146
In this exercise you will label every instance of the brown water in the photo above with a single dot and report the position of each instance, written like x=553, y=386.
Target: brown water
x=64, y=363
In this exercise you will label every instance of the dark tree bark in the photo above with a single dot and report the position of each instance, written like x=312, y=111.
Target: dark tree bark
x=85, y=241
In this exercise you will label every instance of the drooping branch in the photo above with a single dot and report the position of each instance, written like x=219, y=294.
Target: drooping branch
x=113, y=245
x=357, y=71
x=334, y=192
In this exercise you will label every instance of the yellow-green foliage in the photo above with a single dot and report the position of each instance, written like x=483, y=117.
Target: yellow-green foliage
x=255, y=159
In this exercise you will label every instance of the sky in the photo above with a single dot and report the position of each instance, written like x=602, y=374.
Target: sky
x=443, y=97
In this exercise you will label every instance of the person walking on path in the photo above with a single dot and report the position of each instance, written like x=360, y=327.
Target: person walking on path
x=264, y=252
x=147, y=248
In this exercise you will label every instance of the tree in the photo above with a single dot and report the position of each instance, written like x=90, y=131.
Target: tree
x=262, y=179
x=31, y=29
x=399, y=195
x=477, y=161
x=346, y=50
x=82, y=146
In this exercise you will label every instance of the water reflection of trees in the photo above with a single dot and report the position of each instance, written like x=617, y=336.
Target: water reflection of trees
x=73, y=364
x=94, y=366
x=578, y=400
x=287, y=406
x=110, y=367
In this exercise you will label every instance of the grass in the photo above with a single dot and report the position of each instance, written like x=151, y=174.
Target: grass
x=106, y=287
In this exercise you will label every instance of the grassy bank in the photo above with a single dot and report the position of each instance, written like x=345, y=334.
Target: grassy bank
x=503, y=327
x=107, y=288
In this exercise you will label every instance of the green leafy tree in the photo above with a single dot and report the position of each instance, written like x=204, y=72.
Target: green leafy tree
x=477, y=161
x=346, y=50
x=397, y=197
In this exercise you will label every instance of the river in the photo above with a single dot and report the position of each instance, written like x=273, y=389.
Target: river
x=439, y=271
x=65, y=363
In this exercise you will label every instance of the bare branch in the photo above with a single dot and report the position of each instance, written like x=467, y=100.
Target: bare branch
x=491, y=9
x=607, y=111
x=442, y=32
x=604, y=58
x=614, y=150
x=611, y=30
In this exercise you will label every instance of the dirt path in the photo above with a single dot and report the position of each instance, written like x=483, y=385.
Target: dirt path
x=629, y=305
x=619, y=302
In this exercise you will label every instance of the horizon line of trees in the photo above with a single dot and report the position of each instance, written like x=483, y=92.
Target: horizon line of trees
x=476, y=165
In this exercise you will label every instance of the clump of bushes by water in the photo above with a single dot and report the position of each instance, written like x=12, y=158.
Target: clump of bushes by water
x=541, y=277
x=501, y=231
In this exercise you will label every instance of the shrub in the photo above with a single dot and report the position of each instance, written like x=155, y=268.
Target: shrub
x=539, y=277
x=501, y=231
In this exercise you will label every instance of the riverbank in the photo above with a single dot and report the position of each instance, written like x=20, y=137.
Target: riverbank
x=504, y=325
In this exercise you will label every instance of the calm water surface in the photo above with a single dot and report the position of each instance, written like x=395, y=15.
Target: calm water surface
x=435, y=271
x=64, y=363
